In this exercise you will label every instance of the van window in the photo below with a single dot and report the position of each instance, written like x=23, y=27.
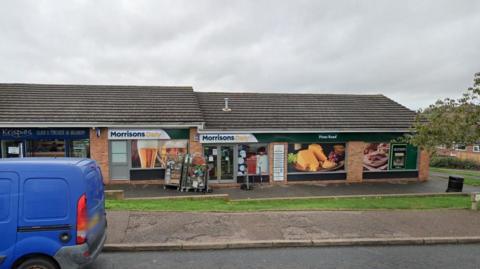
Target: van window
x=45, y=199
x=5, y=193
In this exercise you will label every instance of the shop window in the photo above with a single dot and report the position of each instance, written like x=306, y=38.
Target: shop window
x=460, y=147
x=46, y=148
x=119, y=152
x=476, y=148
x=11, y=149
x=79, y=148
x=148, y=154
x=255, y=158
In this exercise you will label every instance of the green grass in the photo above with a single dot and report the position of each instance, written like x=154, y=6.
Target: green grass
x=472, y=177
x=217, y=205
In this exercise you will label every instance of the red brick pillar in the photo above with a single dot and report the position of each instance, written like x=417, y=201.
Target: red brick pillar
x=354, y=161
x=195, y=148
x=424, y=166
x=99, y=151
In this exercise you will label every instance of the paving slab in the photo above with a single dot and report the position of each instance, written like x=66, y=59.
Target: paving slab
x=436, y=184
x=299, y=226
x=117, y=226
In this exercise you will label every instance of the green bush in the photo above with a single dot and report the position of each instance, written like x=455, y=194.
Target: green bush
x=453, y=163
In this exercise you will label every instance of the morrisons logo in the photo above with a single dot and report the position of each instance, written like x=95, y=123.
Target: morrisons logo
x=227, y=138
x=218, y=138
x=126, y=134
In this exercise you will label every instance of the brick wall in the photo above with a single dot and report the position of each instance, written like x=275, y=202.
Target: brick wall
x=467, y=154
x=423, y=166
x=99, y=151
x=355, y=161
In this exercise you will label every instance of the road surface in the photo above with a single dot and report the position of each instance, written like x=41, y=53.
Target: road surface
x=438, y=256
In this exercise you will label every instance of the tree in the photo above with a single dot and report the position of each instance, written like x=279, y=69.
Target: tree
x=449, y=121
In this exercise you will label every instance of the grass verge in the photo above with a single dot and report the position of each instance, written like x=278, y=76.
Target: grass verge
x=471, y=177
x=217, y=205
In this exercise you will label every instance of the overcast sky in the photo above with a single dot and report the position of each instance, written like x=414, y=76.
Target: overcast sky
x=412, y=51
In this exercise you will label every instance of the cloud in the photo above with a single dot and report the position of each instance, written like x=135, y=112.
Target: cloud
x=411, y=51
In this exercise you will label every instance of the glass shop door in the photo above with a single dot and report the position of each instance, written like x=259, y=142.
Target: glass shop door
x=222, y=160
x=226, y=163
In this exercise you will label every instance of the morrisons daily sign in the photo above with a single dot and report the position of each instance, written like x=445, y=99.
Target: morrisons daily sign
x=227, y=138
x=141, y=134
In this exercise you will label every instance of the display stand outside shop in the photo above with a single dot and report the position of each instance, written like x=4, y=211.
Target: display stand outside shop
x=173, y=172
x=194, y=174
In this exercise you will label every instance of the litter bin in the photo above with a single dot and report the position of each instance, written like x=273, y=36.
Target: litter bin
x=455, y=184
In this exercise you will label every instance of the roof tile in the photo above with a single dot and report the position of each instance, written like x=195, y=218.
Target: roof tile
x=273, y=111
x=97, y=103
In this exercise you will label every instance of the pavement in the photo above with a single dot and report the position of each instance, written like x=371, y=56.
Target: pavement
x=207, y=230
x=431, y=256
x=436, y=184
x=192, y=230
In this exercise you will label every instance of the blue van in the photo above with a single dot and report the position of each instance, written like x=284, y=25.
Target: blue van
x=52, y=213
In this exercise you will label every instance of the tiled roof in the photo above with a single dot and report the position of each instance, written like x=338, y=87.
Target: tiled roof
x=102, y=105
x=338, y=112
x=109, y=105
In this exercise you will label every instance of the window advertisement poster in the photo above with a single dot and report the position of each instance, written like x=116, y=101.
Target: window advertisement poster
x=316, y=158
x=149, y=154
x=376, y=156
x=13, y=150
x=242, y=160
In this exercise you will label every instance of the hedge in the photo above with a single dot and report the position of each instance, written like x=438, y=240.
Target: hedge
x=453, y=163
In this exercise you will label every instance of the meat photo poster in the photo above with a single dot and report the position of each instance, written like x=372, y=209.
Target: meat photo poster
x=375, y=156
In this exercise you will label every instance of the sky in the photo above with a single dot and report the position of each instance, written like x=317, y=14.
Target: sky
x=414, y=52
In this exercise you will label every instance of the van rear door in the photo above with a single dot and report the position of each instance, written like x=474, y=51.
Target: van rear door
x=95, y=204
x=9, y=182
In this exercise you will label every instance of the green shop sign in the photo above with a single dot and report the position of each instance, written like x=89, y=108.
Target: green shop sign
x=325, y=137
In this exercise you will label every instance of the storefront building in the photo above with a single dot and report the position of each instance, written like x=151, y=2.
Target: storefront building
x=141, y=134
x=143, y=154
x=236, y=156
x=300, y=157
x=288, y=138
x=43, y=142
x=131, y=131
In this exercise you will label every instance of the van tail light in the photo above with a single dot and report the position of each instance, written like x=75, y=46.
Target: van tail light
x=82, y=220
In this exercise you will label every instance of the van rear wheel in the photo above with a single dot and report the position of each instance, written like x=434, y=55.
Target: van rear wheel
x=37, y=263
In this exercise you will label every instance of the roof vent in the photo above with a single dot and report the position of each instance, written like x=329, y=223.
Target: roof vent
x=226, y=108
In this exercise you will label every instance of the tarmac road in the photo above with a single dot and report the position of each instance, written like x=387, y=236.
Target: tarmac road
x=436, y=256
